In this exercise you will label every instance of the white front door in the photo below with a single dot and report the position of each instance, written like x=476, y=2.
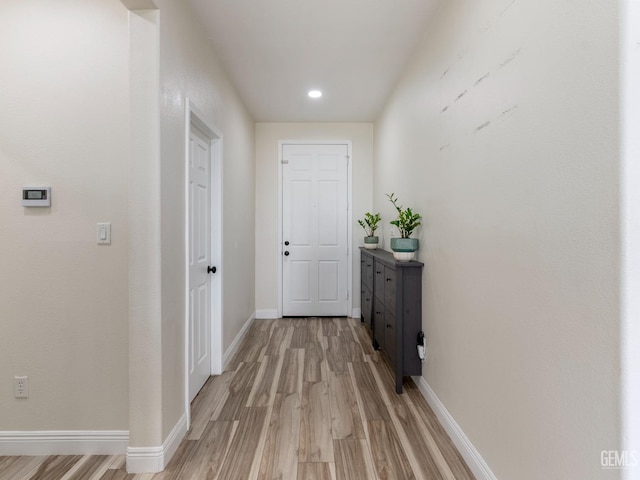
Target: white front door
x=199, y=260
x=314, y=230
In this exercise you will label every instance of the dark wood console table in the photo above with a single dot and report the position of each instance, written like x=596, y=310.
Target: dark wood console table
x=391, y=304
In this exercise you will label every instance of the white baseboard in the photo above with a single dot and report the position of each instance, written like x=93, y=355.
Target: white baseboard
x=228, y=355
x=266, y=314
x=356, y=313
x=145, y=459
x=473, y=458
x=64, y=442
x=155, y=459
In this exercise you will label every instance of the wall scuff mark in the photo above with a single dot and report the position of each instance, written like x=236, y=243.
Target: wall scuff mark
x=509, y=110
x=484, y=125
x=479, y=81
x=511, y=57
x=507, y=7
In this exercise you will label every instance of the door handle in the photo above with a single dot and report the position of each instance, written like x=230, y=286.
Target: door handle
x=286, y=253
x=211, y=269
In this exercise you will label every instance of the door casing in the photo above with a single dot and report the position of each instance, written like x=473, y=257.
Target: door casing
x=348, y=143
x=194, y=117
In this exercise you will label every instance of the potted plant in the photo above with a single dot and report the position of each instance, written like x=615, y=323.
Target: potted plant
x=404, y=248
x=370, y=225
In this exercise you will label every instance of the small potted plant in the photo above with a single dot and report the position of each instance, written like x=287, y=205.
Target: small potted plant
x=404, y=248
x=370, y=225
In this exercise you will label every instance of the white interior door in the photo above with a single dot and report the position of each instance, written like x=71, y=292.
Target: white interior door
x=199, y=260
x=315, y=230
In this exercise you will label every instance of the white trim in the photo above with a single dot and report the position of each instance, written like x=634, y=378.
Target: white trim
x=155, y=459
x=145, y=459
x=348, y=143
x=64, y=442
x=267, y=314
x=233, y=348
x=193, y=116
x=356, y=312
x=278, y=251
x=217, y=285
x=473, y=458
x=350, y=254
x=630, y=229
x=172, y=442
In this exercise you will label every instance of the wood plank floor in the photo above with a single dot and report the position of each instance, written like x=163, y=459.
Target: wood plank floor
x=302, y=399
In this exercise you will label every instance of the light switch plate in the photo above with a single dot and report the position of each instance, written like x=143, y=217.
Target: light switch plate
x=104, y=234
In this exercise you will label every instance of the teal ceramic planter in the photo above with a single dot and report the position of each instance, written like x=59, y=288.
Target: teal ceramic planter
x=404, y=244
x=370, y=243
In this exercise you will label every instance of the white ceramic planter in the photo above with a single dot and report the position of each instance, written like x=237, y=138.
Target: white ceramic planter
x=404, y=256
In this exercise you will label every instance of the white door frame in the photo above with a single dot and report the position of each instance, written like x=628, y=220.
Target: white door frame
x=194, y=117
x=281, y=144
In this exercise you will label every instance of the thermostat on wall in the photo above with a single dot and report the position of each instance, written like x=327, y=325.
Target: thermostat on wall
x=36, y=196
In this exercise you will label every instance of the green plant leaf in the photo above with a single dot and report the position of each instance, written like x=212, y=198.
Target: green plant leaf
x=407, y=221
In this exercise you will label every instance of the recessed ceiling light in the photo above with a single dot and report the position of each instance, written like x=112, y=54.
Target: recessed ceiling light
x=315, y=93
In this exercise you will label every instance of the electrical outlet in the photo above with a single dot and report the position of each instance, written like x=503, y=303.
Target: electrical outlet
x=21, y=387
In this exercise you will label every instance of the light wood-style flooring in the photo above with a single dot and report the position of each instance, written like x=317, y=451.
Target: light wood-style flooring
x=302, y=399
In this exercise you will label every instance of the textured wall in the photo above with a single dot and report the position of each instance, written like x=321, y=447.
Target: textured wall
x=63, y=299
x=189, y=68
x=503, y=134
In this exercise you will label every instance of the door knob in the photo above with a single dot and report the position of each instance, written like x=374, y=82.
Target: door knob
x=211, y=269
x=286, y=253
x=287, y=242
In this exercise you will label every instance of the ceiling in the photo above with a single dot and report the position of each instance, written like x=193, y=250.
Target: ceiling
x=275, y=51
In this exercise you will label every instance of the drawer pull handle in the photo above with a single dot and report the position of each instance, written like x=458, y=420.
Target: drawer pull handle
x=388, y=279
x=388, y=326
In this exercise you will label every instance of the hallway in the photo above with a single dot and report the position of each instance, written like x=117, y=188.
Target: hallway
x=302, y=398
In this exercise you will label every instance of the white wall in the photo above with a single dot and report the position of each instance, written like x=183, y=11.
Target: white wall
x=503, y=133
x=266, y=210
x=65, y=121
x=63, y=299
x=189, y=68
x=145, y=254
